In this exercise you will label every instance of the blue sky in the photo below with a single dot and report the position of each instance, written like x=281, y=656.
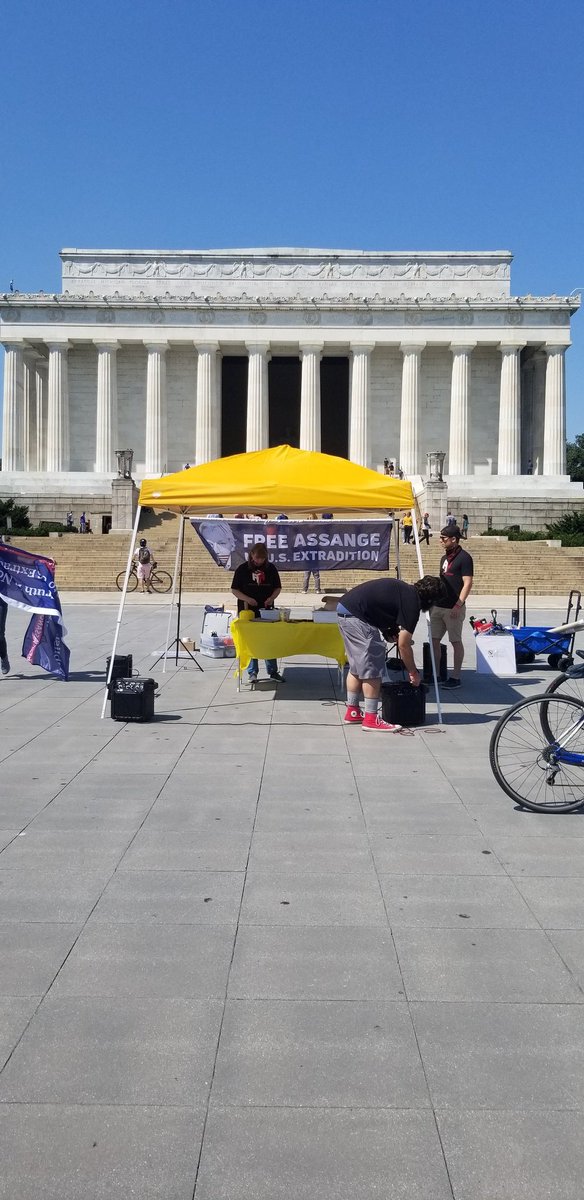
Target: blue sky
x=333, y=123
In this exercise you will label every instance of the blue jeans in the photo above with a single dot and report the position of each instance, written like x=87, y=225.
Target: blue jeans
x=271, y=666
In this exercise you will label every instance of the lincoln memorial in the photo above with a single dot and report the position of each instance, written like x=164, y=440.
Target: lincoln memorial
x=188, y=355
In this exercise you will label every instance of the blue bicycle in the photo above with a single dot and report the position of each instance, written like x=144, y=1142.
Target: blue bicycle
x=537, y=747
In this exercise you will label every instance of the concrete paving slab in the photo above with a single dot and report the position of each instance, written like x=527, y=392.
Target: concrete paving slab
x=32, y=954
x=40, y=849
x=557, y=855
x=308, y=852
x=331, y=963
x=88, y=1051
x=555, y=903
x=61, y=895
x=171, y=897
x=15, y=1014
x=202, y=849
x=433, y=854
x=339, y=814
x=286, y=898
x=202, y=812
x=65, y=1152
x=506, y=965
x=273, y=1154
x=514, y=1155
x=148, y=960
x=417, y=816
x=452, y=902
x=463, y=1045
x=318, y=1054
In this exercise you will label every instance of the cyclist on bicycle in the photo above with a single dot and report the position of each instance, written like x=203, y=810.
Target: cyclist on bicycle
x=144, y=563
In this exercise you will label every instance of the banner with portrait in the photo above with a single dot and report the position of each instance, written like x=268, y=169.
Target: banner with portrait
x=298, y=545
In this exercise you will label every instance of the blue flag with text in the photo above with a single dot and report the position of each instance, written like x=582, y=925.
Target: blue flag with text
x=27, y=581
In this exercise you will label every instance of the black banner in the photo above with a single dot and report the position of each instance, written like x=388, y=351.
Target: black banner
x=299, y=545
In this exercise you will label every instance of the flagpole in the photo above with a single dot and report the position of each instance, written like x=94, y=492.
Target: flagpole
x=430, y=642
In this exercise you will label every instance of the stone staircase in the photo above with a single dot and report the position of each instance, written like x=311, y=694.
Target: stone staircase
x=91, y=563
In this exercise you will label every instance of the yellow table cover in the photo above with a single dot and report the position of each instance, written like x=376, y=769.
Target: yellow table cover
x=279, y=639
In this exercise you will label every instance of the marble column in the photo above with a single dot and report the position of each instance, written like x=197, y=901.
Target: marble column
x=408, y=439
x=539, y=373
x=156, y=430
x=58, y=408
x=106, y=428
x=554, y=439
x=359, y=430
x=41, y=383
x=208, y=422
x=12, y=423
x=310, y=397
x=509, y=452
x=257, y=430
x=459, y=444
x=29, y=413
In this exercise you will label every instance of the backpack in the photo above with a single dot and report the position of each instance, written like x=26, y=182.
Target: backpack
x=143, y=555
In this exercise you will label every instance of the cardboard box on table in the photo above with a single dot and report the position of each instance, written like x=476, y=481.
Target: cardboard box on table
x=496, y=655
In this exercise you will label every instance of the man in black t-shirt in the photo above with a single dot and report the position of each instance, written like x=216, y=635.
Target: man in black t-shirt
x=386, y=606
x=456, y=569
x=256, y=584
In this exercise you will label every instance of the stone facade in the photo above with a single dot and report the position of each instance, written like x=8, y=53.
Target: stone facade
x=135, y=352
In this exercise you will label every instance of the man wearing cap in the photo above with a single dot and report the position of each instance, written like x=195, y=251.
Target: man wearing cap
x=456, y=570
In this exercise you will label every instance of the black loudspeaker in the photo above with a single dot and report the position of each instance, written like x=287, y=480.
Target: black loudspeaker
x=122, y=669
x=123, y=666
x=441, y=667
x=402, y=704
x=132, y=699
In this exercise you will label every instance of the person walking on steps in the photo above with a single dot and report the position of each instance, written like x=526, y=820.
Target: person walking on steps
x=456, y=569
x=392, y=608
x=256, y=584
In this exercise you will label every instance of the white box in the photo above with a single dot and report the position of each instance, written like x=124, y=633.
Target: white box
x=269, y=614
x=322, y=617
x=496, y=655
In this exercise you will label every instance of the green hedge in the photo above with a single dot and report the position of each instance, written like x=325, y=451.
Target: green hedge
x=517, y=535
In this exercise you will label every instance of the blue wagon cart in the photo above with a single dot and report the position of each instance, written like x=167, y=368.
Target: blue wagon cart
x=532, y=640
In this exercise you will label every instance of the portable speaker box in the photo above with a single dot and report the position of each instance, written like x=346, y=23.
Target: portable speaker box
x=402, y=704
x=133, y=699
x=441, y=667
x=122, y=669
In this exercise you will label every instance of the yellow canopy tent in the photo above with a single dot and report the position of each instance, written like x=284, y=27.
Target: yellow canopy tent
x=280, y=479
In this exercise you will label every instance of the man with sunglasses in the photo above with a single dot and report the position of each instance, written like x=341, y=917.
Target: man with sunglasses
x=456, y=571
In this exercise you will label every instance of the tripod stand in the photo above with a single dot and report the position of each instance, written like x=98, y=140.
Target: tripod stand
x=177, y=643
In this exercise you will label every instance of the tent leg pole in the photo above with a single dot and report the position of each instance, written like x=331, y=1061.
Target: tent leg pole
x=172, y=595
x=397, y=562
x=121, y=609
x=430, y=642
x=179, y=601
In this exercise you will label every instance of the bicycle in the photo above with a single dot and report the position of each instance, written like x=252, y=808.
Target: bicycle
x=537, y=753
x=160, y=581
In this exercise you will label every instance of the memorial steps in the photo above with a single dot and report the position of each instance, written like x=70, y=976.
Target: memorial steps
x=91, y=563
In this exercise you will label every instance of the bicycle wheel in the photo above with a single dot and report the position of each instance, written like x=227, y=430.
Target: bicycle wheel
x=526, y=761
x=132, y=581
x=161, y=581
x=571, y=685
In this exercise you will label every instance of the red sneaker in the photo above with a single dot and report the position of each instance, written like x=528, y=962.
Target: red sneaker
x=373, y=721
x=353, y=716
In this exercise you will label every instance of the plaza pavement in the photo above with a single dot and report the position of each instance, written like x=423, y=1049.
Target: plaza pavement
x=249, y=954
